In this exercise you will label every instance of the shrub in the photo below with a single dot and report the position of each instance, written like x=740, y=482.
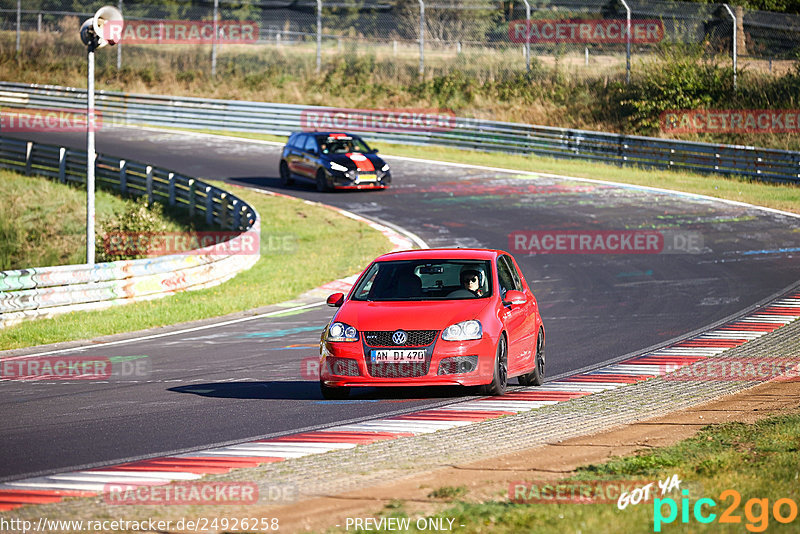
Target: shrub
x=138, y=219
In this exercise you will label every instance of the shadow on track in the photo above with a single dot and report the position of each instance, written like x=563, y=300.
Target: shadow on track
x=309, y=390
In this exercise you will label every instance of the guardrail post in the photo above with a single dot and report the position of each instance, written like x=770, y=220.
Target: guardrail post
x=224, y=214
x=123, y=176
x=798, y=169
x=62, y=165
x=209, y=205
x=237, y=215
x=171, y=188
x=192, y=197
x=149, y=181
x=28, y=150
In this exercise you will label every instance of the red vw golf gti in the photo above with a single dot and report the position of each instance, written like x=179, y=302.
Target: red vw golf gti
x=434, y=317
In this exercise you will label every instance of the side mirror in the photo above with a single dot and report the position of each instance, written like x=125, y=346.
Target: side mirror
x=373, y=151
x=515, y=297
x=336, y=300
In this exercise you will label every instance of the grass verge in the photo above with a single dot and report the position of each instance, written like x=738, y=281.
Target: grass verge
x=759, y=461
x=43, y=222
x=771, y=195
x=278, y=276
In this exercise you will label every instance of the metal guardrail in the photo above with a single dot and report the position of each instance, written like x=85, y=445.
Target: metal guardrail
x=493, y=136
x=47, y=291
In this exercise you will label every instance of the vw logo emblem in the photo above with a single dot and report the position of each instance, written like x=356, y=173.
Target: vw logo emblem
x=399, y=337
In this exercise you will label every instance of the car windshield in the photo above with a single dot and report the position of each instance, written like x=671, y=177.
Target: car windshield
x=342, y=144
x=425, y=280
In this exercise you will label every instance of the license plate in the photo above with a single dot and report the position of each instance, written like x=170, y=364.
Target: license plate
x=397, y=356
x=367, y=177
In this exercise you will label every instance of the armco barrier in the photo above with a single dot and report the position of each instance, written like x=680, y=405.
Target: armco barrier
x=46, y=291
x=282, y=119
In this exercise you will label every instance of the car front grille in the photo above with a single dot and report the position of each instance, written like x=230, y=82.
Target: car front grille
x=415, y=338
x=398, y=370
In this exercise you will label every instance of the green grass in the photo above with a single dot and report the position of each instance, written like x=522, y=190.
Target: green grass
x=771, y=195
x=759, y=461
x=328, y=246
x=43, y=223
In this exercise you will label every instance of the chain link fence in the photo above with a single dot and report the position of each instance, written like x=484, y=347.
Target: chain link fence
x=490, y=40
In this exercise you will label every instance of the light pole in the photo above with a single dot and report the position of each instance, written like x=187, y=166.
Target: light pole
x=627, y=41
x=105, y=28
x=421, y=38
x=527, y=36
x=319, y=35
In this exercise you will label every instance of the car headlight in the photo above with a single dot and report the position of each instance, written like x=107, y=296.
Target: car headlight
x=385, y=167
x=336, y=167
x=463, y=331
x=342, y=332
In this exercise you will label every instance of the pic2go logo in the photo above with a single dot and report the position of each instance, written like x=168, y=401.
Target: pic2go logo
x=756, y=511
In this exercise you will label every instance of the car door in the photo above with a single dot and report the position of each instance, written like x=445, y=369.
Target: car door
x=310, y=157
x=514, y=317
x=294, y=157
x=530, y=325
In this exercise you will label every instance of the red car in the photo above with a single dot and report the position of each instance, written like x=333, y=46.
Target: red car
x=434, y=317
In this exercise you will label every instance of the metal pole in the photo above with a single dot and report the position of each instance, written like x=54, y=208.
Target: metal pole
x=421, y=38
x=214, y=41
x=19, y=23
x=90, y=159
x=627, y=41
x=733, y=17
x=319, y=35
x=119, y=45
x=527, y=36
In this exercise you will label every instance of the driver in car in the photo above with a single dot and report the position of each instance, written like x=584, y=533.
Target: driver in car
x=471, y=281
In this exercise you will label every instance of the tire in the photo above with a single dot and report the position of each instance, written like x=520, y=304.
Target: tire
x=333, y=393
x=286, y=175
x=322, y=181
x=499, y=381
x=536, y=377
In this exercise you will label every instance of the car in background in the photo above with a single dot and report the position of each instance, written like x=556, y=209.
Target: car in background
x=409, y=320
x=333, y=160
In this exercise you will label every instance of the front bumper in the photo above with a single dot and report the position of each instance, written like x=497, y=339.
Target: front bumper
x=354, y=179
x=334, y=373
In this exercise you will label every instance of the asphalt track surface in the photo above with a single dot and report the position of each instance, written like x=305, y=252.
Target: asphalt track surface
x=244, y=380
